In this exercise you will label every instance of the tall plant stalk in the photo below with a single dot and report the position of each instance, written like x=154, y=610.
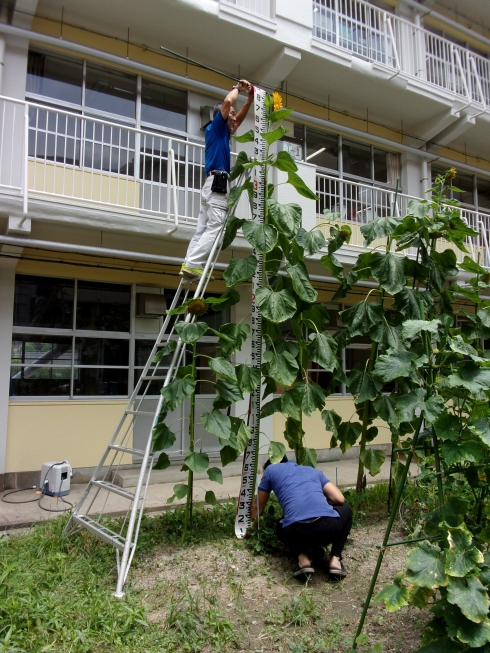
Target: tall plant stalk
x=190, y=474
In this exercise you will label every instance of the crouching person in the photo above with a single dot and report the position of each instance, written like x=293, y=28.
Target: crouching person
x=314, y=514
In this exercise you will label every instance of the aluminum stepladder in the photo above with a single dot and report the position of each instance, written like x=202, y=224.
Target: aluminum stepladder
x=125, y=540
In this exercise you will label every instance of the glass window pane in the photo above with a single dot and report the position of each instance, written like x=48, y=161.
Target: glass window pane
x=100, y=351
x=96, y=382
x=380, y=166
x=41, y=350
x=205, y=376
x=483, y=187
x=163, y=105
x=110, y=91
x=356, y=159
x=103, y=306
x=322, y=149
x=355, y=357
x=464, y=182
x=43, y=302
x=55, y=77
x=40, y=381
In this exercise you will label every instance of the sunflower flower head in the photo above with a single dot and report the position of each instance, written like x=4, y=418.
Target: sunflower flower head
x=196, y=307
x=277, y=98
x=450, y=174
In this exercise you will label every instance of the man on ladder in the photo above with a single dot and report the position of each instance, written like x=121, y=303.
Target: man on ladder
x=214, y=194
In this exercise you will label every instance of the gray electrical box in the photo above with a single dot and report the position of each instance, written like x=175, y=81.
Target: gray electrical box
x=150, y=305
x=55, y=479
x=206, y=116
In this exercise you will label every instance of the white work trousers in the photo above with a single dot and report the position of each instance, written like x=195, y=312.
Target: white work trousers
x=211, y=217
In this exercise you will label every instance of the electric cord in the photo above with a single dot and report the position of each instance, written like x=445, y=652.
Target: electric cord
x=43, y=493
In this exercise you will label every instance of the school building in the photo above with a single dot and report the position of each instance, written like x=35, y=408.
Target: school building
x=101, y=165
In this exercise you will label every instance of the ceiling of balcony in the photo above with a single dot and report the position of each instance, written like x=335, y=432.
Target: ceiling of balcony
x=228, y=46
x=466, y=11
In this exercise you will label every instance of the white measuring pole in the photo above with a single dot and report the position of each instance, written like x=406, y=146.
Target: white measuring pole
x=250, y=455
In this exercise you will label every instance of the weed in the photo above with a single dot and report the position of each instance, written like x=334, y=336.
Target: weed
x=301, y=610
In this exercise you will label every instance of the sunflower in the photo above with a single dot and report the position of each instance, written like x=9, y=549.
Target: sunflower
x=277, y=101
x=450, y=174
x=196, y=307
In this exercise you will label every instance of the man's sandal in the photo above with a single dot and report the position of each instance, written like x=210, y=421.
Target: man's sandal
x=337, y=574
x=303, y=571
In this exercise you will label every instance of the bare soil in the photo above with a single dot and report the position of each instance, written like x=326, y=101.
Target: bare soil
x=272, y=611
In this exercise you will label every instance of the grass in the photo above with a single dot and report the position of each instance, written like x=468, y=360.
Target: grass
x=56, y=593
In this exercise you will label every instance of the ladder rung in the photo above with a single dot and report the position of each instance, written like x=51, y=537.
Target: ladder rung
x=153, y=378
x=140, y=413
x=119, y=447
x=116, y=489
x=104, y=533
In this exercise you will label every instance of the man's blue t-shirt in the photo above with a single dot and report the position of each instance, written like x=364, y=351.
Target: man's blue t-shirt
x=299, y=490
x=217, y=152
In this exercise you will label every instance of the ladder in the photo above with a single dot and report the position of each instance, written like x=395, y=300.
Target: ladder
x=124, y=541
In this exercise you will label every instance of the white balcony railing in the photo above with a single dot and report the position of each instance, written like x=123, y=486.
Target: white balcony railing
x=356, y=204
x=381, y=37
x=263, y=8
x=61, y=156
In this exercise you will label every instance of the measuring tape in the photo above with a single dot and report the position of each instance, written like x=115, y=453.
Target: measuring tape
x=250, y=455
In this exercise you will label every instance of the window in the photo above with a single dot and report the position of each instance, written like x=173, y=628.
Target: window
x=55, y=77
x=70, y=338
x=110, y=91
x=163, y=105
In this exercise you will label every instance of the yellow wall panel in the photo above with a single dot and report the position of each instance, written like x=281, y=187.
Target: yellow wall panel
x=76, y=430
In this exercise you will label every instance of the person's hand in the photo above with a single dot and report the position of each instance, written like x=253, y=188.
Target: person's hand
x=244, y=85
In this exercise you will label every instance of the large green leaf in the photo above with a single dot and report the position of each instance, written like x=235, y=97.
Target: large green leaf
x=361, y=317
x=447, y=427
x=248, y=377
x=461, y=452
x=394, y=595
x=233, y=224
x=388, y=336
x=190, y=332
x=406, y=405
x=315, y=316
x=311, y=241
x=228, y=393
x=228, y=455
x=331, y=420
x=481, y=427
x=210, y=498
x=223, y=367
x=280, y=114
x=283, y=368
x=239, y=269
x=459, y=346
x=394, y=365
x=388, y=271
x=237, y=169
x=322, y=350
x=286, y=216
x=181, y=491
x=217, y=424
x=313, y=398
x=162, y=437
x=432, y=408
x=163, y=462
x=261, y=236
x=271, y=407
x=299, y=185
x=385, y=408
x=216, y=475
x=470, y=376
x=290, y=402
x=284, y=161
x=241, y=431
x=236, y=192
x=301, y=282
x=348, y=434
x=197, y=462
x=462, y=556
x=363, y=385
x=247, y=137
x=293, y=432
x=176, y=392
x=379, y=228
x=165, y=351
x=274, y=135
x=234, y=335
x=425, y=566
x=407, y=302
x=372, y=459
x=411, y=328
x=306, y=456
x=276, y=452
x=473, y=634
x=470, y=596
x=276, y=306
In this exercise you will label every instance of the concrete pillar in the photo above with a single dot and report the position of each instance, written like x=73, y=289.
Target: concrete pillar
x=7, y=288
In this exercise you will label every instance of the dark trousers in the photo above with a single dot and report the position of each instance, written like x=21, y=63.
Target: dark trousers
x=306, y=537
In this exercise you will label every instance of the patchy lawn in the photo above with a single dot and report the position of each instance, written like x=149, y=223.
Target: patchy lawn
x=213, y=594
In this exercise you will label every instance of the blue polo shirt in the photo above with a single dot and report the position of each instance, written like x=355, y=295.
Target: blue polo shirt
x=299, y=490
x=217, y=151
